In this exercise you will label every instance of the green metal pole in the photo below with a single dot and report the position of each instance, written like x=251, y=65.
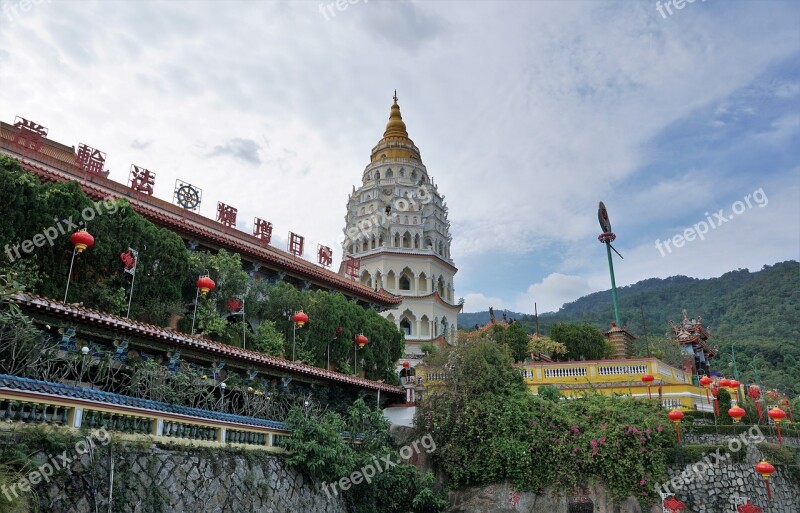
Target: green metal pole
x=613, y=284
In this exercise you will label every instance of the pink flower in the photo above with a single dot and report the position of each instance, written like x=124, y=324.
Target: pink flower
x=659, y=428
x=641, y=482
x=648, y=431
x=602, y=440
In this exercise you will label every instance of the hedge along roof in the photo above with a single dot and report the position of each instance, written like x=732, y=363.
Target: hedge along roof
x=55, y=163
x=32, y=303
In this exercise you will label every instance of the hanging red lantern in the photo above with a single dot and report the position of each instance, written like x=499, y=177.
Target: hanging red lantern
x=734, y=385
x=788, y=408
x=406, y=365
x=766, y=470
x=361, y=341
x=205, y=284
x=736, y=413
x=81, y=240
x=676, y=416
x=705, y=381
x=724, y=383
x=777, y=415
x=300, y=318
x=647, y=379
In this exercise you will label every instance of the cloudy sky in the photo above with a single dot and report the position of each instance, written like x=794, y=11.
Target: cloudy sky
x=527, y=114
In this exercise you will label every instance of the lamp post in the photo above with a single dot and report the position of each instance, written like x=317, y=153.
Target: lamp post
x=222, y=387
x=360, y=342
x=299, y=319
x=81, y=240
x=204, y=286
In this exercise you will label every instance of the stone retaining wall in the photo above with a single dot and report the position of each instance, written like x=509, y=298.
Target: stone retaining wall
x=152, y=480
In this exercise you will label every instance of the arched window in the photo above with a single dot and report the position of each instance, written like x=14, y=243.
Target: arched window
x=405, y=326
x=389, y=173
x=396, y=240
x=416, y=241
x=407, y=240
x=402, y=172
x=405, y=282
x=377, y=175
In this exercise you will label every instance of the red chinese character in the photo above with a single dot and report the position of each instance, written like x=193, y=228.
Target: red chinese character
x=142, y=180
x=29, y=134
x=90, y=159
x=296, y=244
x=352, y=267
x=226, y=215
x=262, y=229
x=324, y=255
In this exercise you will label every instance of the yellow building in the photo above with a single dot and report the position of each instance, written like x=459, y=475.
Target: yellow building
x=671, y=386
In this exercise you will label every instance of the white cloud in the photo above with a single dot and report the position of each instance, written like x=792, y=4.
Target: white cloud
x=552, y=292
x=477, y=302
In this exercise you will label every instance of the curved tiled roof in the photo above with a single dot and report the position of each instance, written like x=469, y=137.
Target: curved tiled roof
x=87, y=394
x=31, y=302
x=177, y=219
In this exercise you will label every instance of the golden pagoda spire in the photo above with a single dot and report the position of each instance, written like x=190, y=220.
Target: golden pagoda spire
x=395, y=142
x=395, y=127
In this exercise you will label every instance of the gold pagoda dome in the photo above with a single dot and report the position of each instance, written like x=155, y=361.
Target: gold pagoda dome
x=395, y=142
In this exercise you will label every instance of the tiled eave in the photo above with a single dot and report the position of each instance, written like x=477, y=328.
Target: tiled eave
x=191, y=225
x=32, y=304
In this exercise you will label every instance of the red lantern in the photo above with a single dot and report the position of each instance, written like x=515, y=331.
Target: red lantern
x=361, y=341
x=676, y=416
x=737, y=413
x=673, y=505
x=788, y=408
x=748, y=508
x=81, y=240
x=300, y=318
x=777, y=415
x=406, y=365
x=205, y=284
x=705, y=381
x=766, y=470
x=724, y=383
x=234, y=305
x=734, y=384
x=647, y=379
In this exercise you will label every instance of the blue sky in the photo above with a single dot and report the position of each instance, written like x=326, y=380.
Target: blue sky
x=526, y=113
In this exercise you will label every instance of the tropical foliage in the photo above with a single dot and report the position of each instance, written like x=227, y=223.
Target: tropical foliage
x=490, y=429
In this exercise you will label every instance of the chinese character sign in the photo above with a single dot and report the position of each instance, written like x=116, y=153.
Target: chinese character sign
x=29, y=134
x=352, y=267
x=324, y=255
x=296, y=244
x=226, y=215
x=142, y=180
x=90, y=160
x=262, y=229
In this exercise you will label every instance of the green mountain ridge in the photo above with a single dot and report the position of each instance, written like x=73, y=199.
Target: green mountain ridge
x=758, y=313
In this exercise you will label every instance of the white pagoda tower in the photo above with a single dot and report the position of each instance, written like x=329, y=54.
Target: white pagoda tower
x=396, y=224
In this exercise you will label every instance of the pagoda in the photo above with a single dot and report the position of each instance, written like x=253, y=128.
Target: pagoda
x=693, y=340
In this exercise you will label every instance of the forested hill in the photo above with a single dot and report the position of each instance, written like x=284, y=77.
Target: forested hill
x=758, y=311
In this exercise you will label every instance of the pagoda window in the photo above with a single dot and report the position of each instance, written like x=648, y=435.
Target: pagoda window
x=405, y=282
x=407, y=239
x=405, y=325
x=405, y=219
x=416, y=238
x=396, y=240
x=377, y=175
x=413, y=175
x=402, y=173
x=365, y=246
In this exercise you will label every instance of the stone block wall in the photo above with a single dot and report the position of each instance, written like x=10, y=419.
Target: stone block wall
x=153, y=480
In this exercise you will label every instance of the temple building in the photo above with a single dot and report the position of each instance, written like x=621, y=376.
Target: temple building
x=396, y=228
x=693, y=339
